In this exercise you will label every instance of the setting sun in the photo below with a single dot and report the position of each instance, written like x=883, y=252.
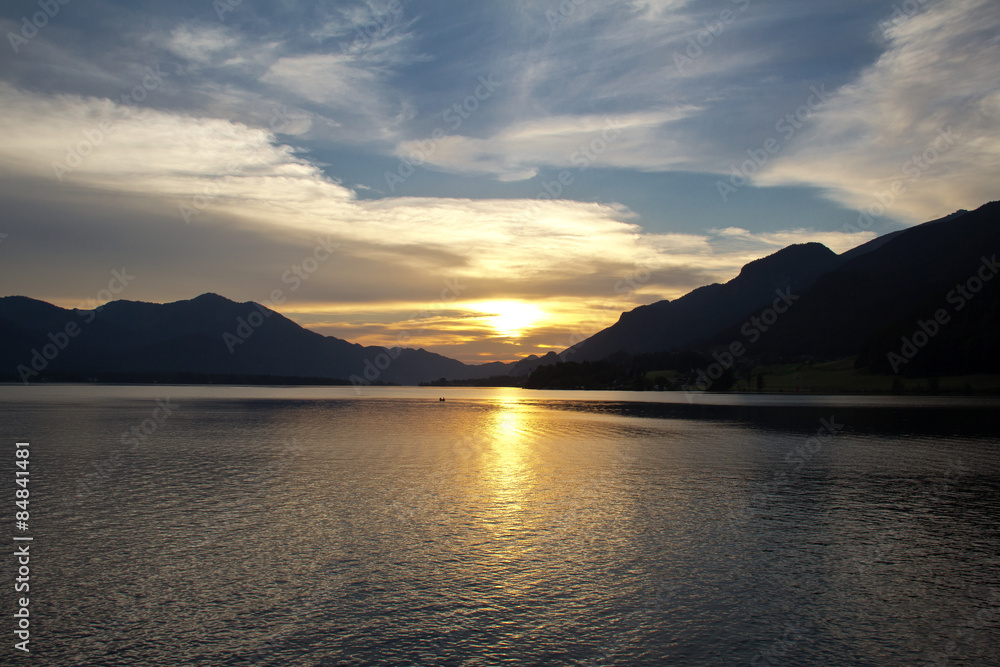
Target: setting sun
x=511, y=318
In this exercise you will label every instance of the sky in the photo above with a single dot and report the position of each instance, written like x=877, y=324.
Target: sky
x=486, y=180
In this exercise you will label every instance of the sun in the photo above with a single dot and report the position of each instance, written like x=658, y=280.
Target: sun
x=511, y=318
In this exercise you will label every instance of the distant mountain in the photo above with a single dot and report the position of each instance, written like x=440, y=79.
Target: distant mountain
x=207, y=335
x=691, y=319
x=879, y=295
x=863, y=302
x=929, y=295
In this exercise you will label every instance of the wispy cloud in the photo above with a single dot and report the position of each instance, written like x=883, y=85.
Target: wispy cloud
x=201, y=44
x=517, y=152
x=338, y=82
x=280, y=123
x=940, y=72
x=562, y=251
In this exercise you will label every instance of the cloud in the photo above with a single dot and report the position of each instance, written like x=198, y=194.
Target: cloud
x=214, y=180
x=518, y=151
x=915, y=135
x=333, y=80
x=273, y=203
x=351, y=90
x=565, y=80
x=200, y=44
x=347, y=73
x=732, y=239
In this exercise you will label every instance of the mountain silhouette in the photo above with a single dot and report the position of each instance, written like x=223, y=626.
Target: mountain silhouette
x=929, y=287
x=863, y=302
x=694, y=317
x=879, y=296
x=207, y=335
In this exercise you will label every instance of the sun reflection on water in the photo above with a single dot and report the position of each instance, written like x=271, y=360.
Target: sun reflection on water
x=509, y=471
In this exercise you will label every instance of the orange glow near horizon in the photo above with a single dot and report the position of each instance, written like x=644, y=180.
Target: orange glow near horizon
x=472, y=331
x=475, y=332
x=512, y=319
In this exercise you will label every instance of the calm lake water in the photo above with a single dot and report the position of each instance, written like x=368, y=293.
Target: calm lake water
x=318, y=526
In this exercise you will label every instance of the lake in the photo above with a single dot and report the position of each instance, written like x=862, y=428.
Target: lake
x=326, y=526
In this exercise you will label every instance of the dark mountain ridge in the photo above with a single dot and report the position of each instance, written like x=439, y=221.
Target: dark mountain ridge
x=207, y=335
x=867, y=302
x=874, y=299
x=863, y=302
x=692, y=318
